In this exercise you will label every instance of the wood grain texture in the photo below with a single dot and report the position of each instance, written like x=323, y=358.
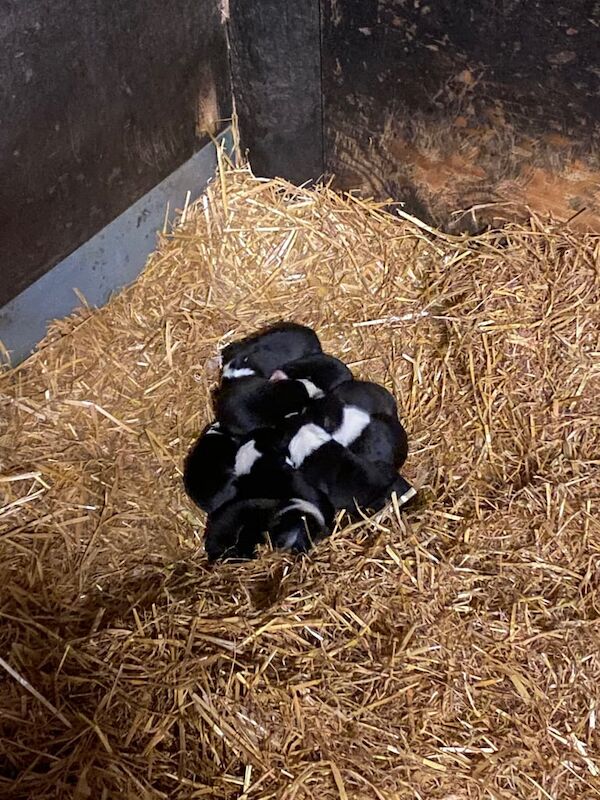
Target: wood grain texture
x=99, y=102
x=276, y=75
x=493, y=108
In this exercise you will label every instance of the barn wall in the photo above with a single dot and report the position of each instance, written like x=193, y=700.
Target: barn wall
x=452, y=105
x=99, y=102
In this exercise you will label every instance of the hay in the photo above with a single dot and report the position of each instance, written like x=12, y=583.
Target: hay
x=451, y=651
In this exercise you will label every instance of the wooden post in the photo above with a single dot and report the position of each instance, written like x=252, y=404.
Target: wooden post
x=276, y=75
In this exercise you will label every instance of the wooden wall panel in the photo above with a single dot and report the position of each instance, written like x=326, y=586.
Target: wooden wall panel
x=99, y=101
x=458, y=105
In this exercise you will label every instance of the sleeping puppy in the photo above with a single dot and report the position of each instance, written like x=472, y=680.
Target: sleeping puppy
x=330, y=467
x=209, y=468
x=235, y=530
x=355, y=461
x=298, y=524
x=293, y=515
x=218, y=463
x=375, y=437
x=264, y=352
x=249, y=403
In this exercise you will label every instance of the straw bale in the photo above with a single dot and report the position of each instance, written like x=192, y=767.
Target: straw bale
x=449, y=652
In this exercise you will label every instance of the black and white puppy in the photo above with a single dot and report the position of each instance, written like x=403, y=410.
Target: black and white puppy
x=249, y=403
x=343, y=477
x=320, y=373
x=264, y=352
x=271, y=499
x=298, y=524
x=235, y=529
x=292, y=514
x=375, y=437
x=350, y=455
x=209, y=468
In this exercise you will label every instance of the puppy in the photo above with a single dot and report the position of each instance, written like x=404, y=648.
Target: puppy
x=330, y=467
x=300, y=524
x=264, y=352
x=375, y=437
x=249, y=403
x=293, y=514
x=209, y=468
x=235, y=529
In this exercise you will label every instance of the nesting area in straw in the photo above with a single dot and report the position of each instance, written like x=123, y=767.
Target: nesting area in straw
x=451, y=651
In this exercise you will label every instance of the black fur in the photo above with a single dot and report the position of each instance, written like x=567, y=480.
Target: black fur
x=272, y=347
x=245, y=404
x=325, y=371
x=208, y=469
x=370, y=397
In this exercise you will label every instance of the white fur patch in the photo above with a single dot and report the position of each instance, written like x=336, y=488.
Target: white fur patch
x=408, y=494
x=232, y=372
x=308, y=439
x=245, y=458
x=297, y=504
x=313, y=391
x=215, y=428
x=354, y=421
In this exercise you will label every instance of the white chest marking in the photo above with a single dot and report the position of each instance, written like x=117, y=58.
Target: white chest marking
x=245, y=458
x=297, y=504
x=308, y=439
x=215, y=428
x=354, y=421
x=313, y=391
x=233, y=372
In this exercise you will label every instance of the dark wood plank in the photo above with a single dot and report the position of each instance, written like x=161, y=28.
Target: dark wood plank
x=276, y=75
x=99, y=101
x=448, y=106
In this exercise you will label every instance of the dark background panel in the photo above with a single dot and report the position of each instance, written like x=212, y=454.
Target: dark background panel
x=276, y=75
x=99, y=102
x=448, y=105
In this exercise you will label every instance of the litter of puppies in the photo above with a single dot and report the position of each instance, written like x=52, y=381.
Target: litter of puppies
x=296, y=439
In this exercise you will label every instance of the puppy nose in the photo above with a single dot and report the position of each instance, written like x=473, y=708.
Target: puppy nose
x=278, y=375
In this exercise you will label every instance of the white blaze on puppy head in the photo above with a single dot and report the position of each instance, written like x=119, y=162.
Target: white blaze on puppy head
x=308, y=439
x=230, y=372
x=245, y=458
x=354, y=421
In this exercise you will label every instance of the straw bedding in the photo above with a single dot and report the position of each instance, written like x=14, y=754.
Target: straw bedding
x=450, y=651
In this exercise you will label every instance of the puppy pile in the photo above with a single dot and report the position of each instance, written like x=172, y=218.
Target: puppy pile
x=296, y=440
